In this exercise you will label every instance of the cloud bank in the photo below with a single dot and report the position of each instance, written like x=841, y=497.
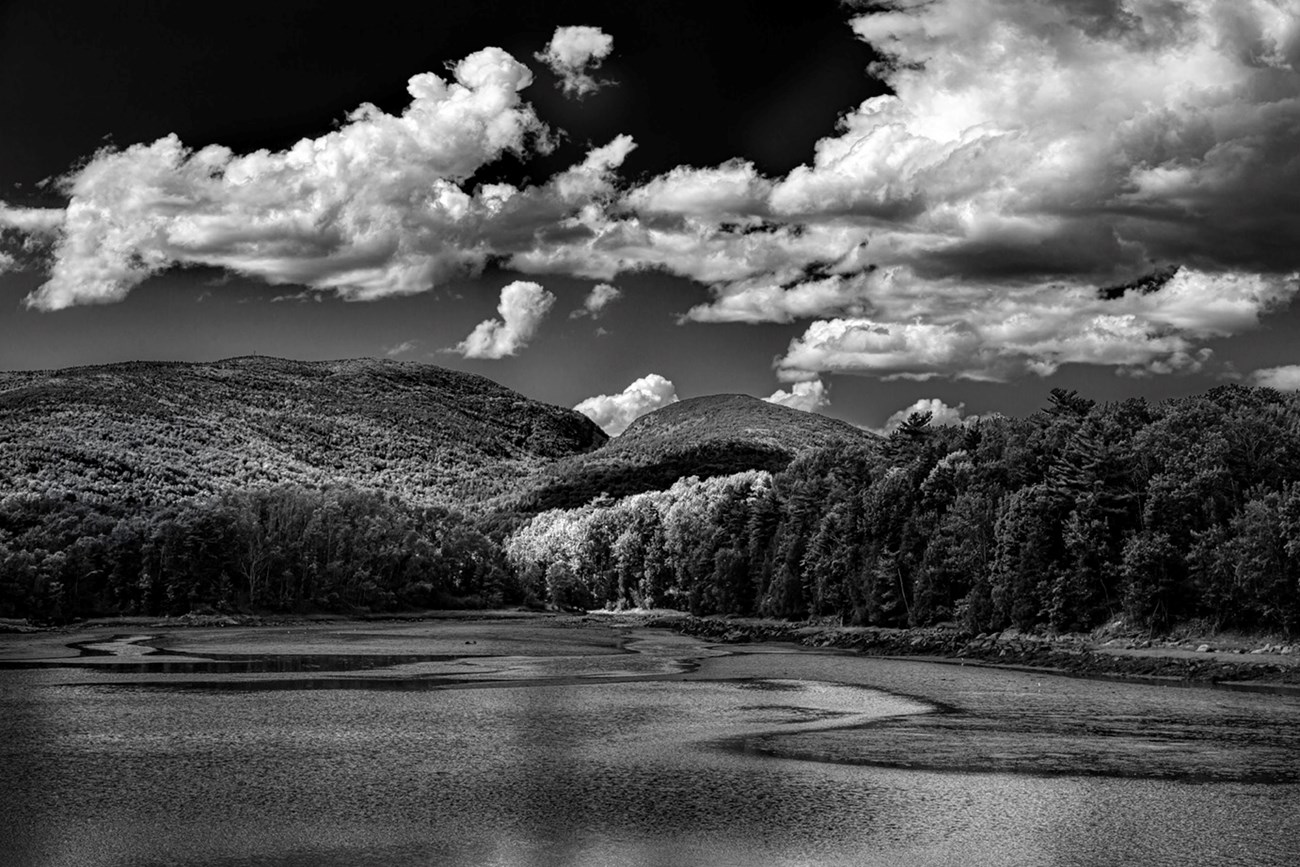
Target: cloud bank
x=573, y=54
x=523, y=306
x=614, y=412
x=1101, y=182
x=983, y=220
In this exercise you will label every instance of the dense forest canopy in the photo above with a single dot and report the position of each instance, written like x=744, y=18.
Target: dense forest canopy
x=155, y=433
x=1064, y=520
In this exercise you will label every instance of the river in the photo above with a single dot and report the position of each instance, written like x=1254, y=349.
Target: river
x=536, y=743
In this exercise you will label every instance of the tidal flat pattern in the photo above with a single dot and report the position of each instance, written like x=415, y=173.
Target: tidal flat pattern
x=611, y=747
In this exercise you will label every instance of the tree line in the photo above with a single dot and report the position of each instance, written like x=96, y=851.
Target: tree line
x=282, y=548
x=1076, y=515
x=1064, y=520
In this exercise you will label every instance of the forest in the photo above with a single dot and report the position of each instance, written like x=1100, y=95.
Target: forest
x=282, y=548
x=1061, y=521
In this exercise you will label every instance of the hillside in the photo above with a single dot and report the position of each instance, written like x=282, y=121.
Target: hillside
x=730, y=418
x=703, y=436
x=150, y=432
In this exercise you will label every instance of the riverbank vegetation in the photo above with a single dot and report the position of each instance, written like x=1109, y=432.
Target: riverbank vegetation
x=1062, y=520
x=275, y=549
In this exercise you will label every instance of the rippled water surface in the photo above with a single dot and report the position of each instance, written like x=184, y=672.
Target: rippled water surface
x=608, y=751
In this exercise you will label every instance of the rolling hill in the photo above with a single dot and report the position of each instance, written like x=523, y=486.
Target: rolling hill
x=703, y=436
x=150, y=432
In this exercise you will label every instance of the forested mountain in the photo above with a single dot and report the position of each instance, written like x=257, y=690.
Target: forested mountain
x=153, y=433
x=259, y=483
x=727, y=419
x=256, y=484
x=703, y=437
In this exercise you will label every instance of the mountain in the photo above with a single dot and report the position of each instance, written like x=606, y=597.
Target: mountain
x=152, y=432
x=730, y=419
x=703, y=436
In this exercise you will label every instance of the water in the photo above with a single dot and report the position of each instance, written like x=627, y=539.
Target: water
x=656, y=755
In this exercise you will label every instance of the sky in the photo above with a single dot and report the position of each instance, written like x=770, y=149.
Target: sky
x=855, y=209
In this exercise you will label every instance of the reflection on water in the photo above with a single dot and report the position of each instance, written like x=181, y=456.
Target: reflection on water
x=105, y=769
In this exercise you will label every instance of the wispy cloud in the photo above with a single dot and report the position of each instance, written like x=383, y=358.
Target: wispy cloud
x=400, y=348
x=600, y=297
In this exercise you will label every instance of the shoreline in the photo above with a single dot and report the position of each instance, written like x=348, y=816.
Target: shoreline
x=1131, y=660
x=1227, y=662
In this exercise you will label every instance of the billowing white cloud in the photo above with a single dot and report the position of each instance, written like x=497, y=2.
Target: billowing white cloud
x=523, y=306
x=1284, y=378
x=980, y=221
x=808, y=396
x=1030, y=156
x=940, y=413
x=573, y=54
x=375, y=208
x=600, y=297
x=998, y=336
x=730, y=190
x=614, y=412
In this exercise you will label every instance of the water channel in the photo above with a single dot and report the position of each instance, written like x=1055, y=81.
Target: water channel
x=503, y=744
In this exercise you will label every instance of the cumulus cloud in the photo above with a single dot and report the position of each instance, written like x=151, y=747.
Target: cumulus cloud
x=614, y=412
x=600, y=297
x=381, y=206
x=982, y=220
x=940, y=413
x=808, y=396
x=573, y=54
x=1284, y=378
x=1030, y=156
x=523, y=306
x=998, y=336
x=1016, y=128
x=734, y=189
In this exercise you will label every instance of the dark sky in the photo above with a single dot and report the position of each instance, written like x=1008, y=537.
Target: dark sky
x=947, y=244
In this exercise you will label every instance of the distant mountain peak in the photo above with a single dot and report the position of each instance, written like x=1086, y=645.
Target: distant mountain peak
x=730, y=416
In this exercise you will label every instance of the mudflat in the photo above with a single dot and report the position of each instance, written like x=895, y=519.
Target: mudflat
x=557, y=739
